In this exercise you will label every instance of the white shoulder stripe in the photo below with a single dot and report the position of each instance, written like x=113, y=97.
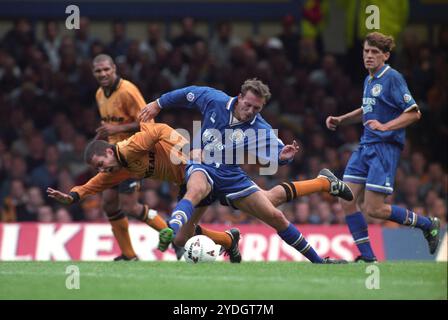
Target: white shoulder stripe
x=384, y=71
x=414, y=106
x=229, y=103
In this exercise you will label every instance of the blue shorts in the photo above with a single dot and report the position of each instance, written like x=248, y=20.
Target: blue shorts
x=374, y=165
x=228, y=183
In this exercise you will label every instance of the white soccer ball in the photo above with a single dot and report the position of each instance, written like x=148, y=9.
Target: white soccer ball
x=200, y=249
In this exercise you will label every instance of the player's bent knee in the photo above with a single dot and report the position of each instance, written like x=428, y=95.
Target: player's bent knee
x=197, y=192
x=110, y=210
x=348, y=206
x=130, y=208
x=375, y=211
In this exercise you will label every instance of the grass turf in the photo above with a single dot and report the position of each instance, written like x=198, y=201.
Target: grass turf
x=249, y=280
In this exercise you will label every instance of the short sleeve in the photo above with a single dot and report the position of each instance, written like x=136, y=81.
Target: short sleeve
x=192, y=97
x=401, y=95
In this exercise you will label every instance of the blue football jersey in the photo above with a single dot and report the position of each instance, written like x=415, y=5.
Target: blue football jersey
x=385, y=97
x=223, y=139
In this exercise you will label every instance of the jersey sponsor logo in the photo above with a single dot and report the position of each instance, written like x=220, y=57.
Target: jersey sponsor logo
x=112, y=119
x=212, y=140
x=151, y=164
x=376, y=90
x=407, y=97
x=367, y=108
x=368, y=104
x=371, y=101
x=190, y=96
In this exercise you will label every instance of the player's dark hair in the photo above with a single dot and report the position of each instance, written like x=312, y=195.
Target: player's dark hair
x=96, y=147
x=256, y=87
x=381, y=41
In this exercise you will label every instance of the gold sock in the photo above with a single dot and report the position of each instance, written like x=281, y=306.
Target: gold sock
x=219, y=237
x=157, y=223
x=152, y=219
x=120, y=229
x=302, y=188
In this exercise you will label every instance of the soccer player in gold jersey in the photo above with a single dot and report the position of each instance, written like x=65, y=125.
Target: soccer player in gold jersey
x=119, y=102
x=155, y=152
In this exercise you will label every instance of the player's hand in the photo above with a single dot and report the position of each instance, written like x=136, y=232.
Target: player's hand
x=59, y=196
x=289, y=151
x=106, y=130
x=375, y=125
x=332, y=122
x=149, y=112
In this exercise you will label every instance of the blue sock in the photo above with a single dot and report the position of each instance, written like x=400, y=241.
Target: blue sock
x=294, y=238
x=358, y=227
x=181, y=214
x=408, y=218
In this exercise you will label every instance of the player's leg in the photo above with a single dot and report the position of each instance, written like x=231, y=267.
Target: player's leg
x=376, y=207
x=355, y=176
x=379, y=184
x=129, y=204
x=357, y=223
x=198, y=187
x=258, y=205
x=119, y=223
x=326, y=181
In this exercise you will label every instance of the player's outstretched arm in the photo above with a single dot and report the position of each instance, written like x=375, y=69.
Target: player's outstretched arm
x=349, y=118
x=59, y=196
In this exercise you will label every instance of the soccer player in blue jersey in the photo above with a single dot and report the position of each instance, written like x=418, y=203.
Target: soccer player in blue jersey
x=231, y=127
x=387, y=109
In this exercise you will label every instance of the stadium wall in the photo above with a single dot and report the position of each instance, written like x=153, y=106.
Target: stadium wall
x=95, y=242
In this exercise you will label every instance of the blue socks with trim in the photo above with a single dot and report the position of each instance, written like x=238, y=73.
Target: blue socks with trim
x=408, y=218
x=295, y=239
x=181, y=214
x=358, y=227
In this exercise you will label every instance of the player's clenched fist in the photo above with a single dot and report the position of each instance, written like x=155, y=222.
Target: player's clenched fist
x=332, y=122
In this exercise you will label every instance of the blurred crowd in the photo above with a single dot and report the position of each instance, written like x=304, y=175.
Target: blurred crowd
x=48, y=112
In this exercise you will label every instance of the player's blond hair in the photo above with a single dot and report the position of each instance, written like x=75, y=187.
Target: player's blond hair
x=381, y=41
x=256, y=87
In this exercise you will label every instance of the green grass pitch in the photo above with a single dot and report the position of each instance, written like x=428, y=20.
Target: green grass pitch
x=222, y=280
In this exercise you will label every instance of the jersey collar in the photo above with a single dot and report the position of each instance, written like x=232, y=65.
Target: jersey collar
x=114, y=87
x=381, y=72
x=119, y=156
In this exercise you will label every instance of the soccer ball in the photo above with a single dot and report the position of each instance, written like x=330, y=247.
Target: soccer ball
x=200, y=249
